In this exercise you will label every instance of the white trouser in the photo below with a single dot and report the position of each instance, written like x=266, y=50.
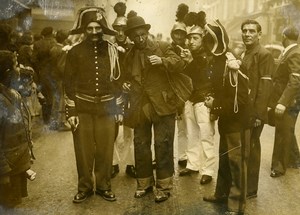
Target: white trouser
x=200, y=132
x=124, y=149
x=181, y=138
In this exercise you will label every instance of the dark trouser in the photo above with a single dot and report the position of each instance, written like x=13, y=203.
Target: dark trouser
x=253, y=163
x=164, y=128
x=11, y=194
x=284, y=136
x=294, y=160
x=232, y=177
x=94, y=143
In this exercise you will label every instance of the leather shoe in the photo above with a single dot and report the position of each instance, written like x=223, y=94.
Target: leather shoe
x=251, y=195
x=205, y=179
x=130, y=171
x=187, y=171
x=182, y=163
x=142, y=193
x=161, y=196
x=275, y=174
x=215, y=199
x=115, y=170
x=108, y=195
x=82, y=196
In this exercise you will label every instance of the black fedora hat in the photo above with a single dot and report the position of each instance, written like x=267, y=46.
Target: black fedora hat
x=135, y=22
x=91, y=14
x=216, y=38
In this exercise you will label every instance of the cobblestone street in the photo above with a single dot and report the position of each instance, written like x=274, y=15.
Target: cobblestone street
x=56, y=184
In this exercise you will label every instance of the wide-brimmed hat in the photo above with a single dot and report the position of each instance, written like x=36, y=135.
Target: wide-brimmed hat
x=91, y=14
x=135, y=22
x=216, y=38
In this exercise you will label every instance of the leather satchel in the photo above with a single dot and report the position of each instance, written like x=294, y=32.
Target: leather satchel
x=181, y=85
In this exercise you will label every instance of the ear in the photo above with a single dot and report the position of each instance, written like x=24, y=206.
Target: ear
x=259, y=35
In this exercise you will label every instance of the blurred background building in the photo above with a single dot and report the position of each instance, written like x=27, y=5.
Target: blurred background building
x=272, y=14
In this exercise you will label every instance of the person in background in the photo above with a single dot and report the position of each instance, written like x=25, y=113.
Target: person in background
x=178, y=35
x=260, y=65
x=125, y=133
x=15, y=142
x=91, y=82
x=285, y=100
x=43, y=68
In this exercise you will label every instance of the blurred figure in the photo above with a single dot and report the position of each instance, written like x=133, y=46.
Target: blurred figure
x=44, y=69
x=15, y=144
x=285, y=101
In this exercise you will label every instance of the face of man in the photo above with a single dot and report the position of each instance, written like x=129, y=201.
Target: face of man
x=94, y=31
x=139, y=36
x=250, y=35
x=194, y=42
x=178, y=37
x=120, y=37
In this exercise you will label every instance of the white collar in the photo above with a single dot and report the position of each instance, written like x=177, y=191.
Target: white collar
x=288, y=48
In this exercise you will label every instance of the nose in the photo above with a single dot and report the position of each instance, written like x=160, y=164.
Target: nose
x=94, y=30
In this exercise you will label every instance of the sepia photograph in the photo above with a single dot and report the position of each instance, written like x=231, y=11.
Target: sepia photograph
x=149, y=107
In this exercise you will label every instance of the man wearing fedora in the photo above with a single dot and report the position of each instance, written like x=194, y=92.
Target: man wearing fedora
x=152, y=106
x=230, y=102
x=91, y=81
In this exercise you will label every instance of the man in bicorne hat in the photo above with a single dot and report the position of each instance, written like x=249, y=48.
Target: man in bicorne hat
x=152, y=105
x=91, y=77
x=231, y=104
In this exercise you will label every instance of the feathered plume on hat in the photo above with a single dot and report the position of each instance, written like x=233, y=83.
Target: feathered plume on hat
x=181, y=12
x=120, y=9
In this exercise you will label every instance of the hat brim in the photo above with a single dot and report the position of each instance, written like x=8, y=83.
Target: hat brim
x=129, y=30
x=216, y=38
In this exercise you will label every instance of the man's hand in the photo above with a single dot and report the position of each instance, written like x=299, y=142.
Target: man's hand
x=155, y=60
x=257, y=123
x=119, y=118
x=279, y=110
x=186, y=55
x=126, y=87
x=74, y=122
x=209, y=101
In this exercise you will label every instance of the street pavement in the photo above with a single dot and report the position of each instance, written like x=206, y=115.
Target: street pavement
x=56, y=184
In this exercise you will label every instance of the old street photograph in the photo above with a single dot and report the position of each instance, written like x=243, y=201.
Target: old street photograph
x=149, y=107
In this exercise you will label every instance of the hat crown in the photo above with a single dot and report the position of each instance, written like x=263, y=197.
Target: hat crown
x=120, y=21
x=136, y=22
x=195, y=29
x=179, y=26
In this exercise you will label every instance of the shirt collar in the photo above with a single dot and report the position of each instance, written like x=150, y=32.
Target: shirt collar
x=288, y=48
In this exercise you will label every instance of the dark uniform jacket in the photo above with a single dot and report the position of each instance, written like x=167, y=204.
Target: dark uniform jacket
x=260, y=65
x=88, y=79
x=232, y=118
x=199, y=71
x=286, y=89
x=14, y=135
x=150, y=84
